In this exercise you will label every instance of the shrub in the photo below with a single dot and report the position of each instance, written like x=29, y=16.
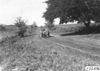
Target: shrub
x=2, y=28
x=21, y=25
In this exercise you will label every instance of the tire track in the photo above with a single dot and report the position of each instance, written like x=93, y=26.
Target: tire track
x=58, y=41
x=94, y=50
x=78, y=51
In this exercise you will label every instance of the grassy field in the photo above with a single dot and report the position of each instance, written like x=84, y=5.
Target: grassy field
x=32, y=53
x=44, y=56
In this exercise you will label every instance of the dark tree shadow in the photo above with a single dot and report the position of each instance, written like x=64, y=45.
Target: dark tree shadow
x=84, y=31
x=74, y=33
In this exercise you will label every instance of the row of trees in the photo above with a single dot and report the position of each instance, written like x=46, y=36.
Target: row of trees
x=70, y=10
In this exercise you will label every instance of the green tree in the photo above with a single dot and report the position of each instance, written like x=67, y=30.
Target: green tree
x=70, y=10
x=57, y=9
x=21, y=25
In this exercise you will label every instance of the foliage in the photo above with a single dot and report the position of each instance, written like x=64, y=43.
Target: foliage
x=2, y=28
x=34, y=24
x=70, y=10
x=49, y=25
x=22, y=28
x=57, y=9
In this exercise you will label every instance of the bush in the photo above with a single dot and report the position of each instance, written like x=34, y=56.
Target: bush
x=21, y=25
x=2, y=28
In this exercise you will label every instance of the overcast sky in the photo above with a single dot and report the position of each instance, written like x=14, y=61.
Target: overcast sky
x=27, y=9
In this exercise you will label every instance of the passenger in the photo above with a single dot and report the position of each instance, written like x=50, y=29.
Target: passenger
x=42, y=32
x=47, y=32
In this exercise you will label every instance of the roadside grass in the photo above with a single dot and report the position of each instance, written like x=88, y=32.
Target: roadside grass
x=76, y=29
x=64, y=29
x=12, y=46
x=42, y=56
x=12, y=31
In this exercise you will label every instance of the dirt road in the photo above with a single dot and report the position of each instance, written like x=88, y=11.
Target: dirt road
x=83, y=54
x=83, y=45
